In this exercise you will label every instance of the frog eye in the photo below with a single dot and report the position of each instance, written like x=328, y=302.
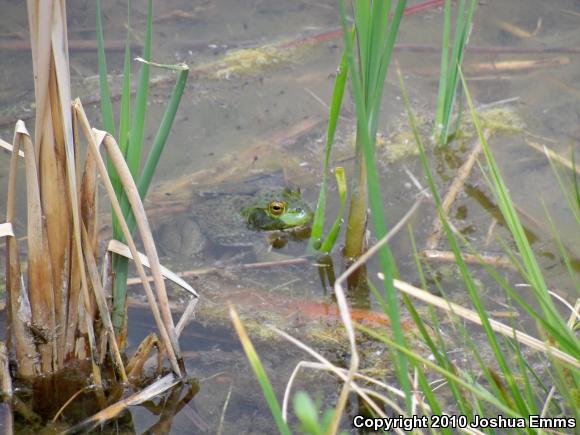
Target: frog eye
x=276, y=208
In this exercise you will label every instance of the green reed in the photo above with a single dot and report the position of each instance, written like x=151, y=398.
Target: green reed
x=448, y=72
x=130, y=136
x=375, y=35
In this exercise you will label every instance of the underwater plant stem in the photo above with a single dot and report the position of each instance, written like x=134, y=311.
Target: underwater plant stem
x=357, y=214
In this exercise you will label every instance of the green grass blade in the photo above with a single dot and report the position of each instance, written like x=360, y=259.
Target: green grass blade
x=106, y=104
x=330, y=240
x=385, y=256
x=163, y=131
x=120, y=263
x=362, y=20
x=138, y=121
x=258, y=368
x=377, y=93
x=571, y=191
x=308, y=413
x=461, y=36
x=125, y=112
x=164, y=128
x=576, y=184
x=378, y=34
x=472, y=387
x=443, y=69
x=336, y=103
x=464, y=272
x=569, y=341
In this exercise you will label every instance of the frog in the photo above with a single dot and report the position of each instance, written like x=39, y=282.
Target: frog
x=234, y=220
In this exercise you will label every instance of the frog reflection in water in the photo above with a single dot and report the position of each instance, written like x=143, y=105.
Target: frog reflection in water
x=230, y=220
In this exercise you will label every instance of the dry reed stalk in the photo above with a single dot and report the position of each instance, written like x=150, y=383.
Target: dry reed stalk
x=522, y=65
x=518, y=31
x=112, y=411
x=17, y=296
x=24, y=321
x=456, y=186
x=448, y=256
x=57, y=160
x=6, y=390
x=101, y=300
x=5, y=378
x=44, y=316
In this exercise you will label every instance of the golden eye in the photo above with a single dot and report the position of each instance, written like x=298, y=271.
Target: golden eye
x=276, y=208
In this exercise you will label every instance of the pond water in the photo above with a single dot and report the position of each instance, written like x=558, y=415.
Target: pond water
x=245, y=130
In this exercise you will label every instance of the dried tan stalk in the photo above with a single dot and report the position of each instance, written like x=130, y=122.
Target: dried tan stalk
x=448, y=256
x=40, y=282
x=56, y=208
x=5, y=378
x=6, y=390
x=101, y=301
x=19, y=315
x=453, y=191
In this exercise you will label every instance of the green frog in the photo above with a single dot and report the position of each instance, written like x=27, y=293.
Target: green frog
x=233, y=220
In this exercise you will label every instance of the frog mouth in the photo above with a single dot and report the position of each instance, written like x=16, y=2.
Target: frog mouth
x=261, y=220
x=296, y=218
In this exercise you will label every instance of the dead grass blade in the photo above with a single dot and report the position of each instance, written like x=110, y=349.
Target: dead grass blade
x=149, y=393
x=338, y=371
x=8, y=147
x=165, y=326
x=6, y=230
x=343, y=375
x=473, y=317
x=122, y=249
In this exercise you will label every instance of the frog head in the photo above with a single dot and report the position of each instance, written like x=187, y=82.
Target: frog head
x=278, y=211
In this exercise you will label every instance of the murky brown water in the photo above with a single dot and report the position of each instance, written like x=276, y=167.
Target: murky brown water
x=272, y=121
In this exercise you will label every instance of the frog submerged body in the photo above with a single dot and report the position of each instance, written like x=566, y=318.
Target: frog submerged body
x=235, y=220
